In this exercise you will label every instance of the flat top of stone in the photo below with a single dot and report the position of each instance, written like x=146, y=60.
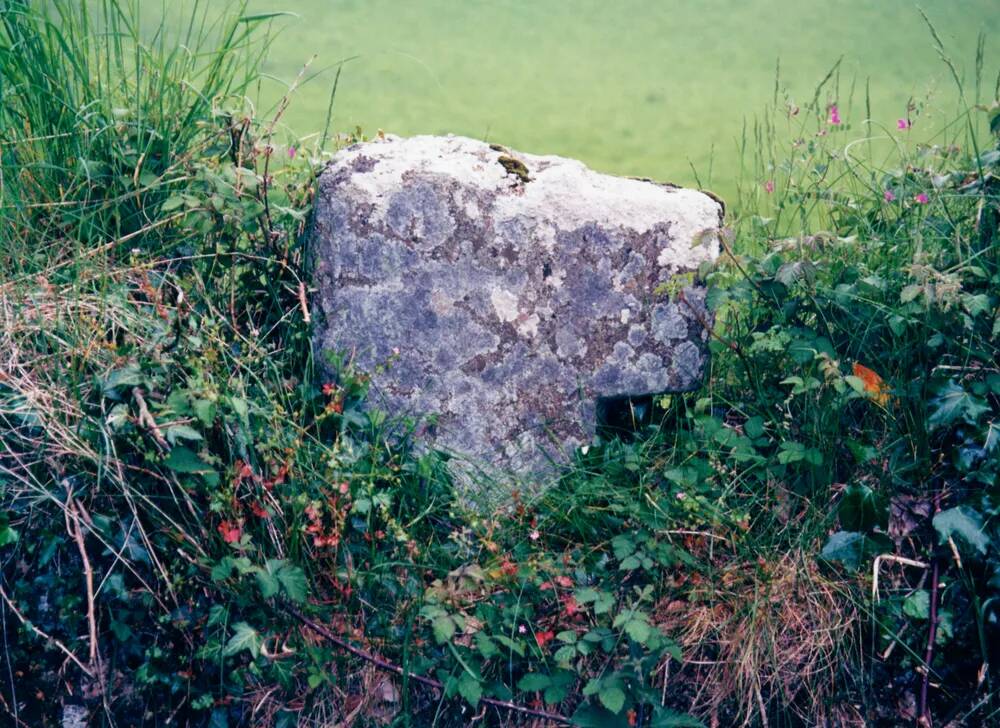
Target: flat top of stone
x=564, y=189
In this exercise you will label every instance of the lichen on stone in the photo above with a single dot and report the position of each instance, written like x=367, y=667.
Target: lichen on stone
x=513, y=306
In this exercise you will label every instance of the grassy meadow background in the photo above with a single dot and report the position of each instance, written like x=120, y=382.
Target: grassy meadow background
x=632, y=87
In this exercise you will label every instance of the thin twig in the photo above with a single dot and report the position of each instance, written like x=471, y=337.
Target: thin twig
x=429, y=682
x=147, y=421
x=891, y=557
x=925, y=719
x=76, y=531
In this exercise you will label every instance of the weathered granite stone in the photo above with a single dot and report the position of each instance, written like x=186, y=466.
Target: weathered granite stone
x=507, y=292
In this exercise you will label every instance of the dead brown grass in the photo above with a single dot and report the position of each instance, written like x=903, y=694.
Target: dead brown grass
x=765, y=637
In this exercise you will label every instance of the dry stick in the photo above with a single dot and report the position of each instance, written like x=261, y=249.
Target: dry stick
x=76, y=531
x=396, y=669
x=931, y=631
x=147, y=421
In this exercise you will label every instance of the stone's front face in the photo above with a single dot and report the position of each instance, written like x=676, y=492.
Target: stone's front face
x=509, y=291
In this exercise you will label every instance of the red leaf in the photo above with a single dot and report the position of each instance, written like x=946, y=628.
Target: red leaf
x=543, y=638
x=230, y=533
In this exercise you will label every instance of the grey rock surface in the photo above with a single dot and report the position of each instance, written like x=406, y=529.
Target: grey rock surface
x=506, y=292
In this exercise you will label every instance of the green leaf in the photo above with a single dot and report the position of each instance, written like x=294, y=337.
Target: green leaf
x=128, y=376
x=204, y=410
x=182, y=432
x=244, y=637
x=567, y=636
x=293, y=581
x=269, y=586
x=953, y=403
x=964, y=525
x=604, y=603
x=667, y=718
x=612, y=698
x=185, y=460
x=918, y=605
x=533, y=682
x=7, y=534
x=565, y=654
x=172, y=203
x=554, y=694
x=487, y=647
x=754, y=427
x=594, y=716
x=444, y=629
x=223, y=569
x=639, y=630
x=861, y=509
x=470, y=689
x=851, y=548
x=629, y=563
x=261, y=17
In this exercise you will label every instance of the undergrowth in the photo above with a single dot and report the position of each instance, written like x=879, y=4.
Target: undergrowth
x=198, y=528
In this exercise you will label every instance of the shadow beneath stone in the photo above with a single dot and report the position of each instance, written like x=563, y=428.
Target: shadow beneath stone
x=622, y=418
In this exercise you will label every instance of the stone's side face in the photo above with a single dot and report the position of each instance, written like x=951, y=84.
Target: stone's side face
x=516, y=289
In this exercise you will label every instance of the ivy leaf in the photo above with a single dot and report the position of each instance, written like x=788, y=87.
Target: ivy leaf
x=992, y=437
x=7, y=534
x=953, y=403
x=965, y=523
x=244, y=637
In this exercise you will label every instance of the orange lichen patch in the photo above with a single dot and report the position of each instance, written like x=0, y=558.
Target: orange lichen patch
x=876, y=388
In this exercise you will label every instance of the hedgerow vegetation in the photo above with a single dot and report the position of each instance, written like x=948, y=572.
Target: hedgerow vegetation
x=198, y=528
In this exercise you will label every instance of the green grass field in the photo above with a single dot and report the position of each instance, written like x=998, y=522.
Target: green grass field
x=630, y=87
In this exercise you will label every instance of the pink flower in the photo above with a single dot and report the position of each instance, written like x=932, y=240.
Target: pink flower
x=889, y=195
x=769, y=186
x=291, y=152
x=922, y=199
x=834, y=119
x=534, y=535
x=902, y=123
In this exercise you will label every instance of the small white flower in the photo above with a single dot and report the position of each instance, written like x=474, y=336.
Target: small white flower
x=521, y=629
x=534, y=535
